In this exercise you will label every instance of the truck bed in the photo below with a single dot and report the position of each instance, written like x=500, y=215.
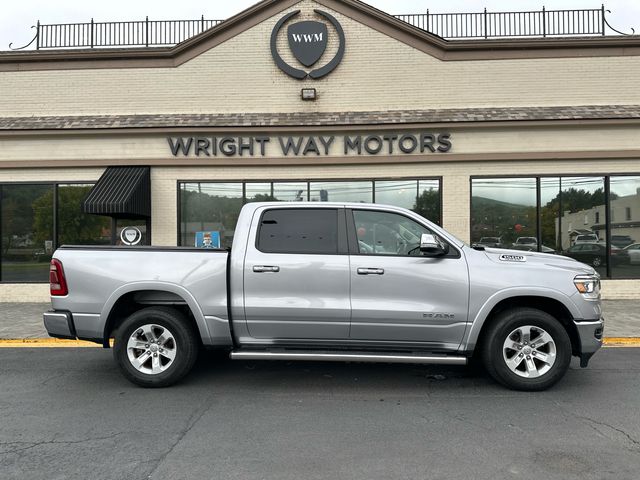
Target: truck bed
x=192, y=276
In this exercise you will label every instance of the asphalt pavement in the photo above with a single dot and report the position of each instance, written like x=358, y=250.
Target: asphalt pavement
x=69, y=414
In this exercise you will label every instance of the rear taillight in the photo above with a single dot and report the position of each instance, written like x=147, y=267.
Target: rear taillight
x=57, y=282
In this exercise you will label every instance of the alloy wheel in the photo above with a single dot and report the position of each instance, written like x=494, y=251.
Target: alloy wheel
x=151, y=349
x=529, y=351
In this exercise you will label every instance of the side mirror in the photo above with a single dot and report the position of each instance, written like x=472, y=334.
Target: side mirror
x=431, y=247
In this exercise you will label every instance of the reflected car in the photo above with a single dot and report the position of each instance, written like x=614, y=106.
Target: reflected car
x=595, y=254
x=492, y=242
x=520, y=241
x=622, y=241
x=634, y=253
x=587, y=238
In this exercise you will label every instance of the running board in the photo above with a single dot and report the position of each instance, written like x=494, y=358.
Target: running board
x=347, y=357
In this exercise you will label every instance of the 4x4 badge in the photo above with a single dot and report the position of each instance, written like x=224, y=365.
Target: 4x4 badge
x=308, y=40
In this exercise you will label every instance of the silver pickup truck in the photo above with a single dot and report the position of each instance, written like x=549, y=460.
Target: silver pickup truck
x=330, y=282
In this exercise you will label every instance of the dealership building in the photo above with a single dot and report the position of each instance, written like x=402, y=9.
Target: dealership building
x=526, y=138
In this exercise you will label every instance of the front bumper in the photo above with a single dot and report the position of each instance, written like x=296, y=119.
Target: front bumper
x=591, y=334
x=59, y=324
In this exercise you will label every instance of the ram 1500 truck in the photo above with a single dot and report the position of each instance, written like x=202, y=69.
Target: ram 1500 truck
x=333, y=282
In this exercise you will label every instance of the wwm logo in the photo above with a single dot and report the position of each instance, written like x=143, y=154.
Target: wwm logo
x=307, y=37
x=308, y=41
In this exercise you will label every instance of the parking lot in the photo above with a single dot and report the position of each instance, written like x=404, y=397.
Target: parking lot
x=69, y=414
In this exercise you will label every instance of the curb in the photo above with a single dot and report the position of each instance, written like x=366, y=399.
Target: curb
x=622, y=342
x=59, y=343
x=45, y=343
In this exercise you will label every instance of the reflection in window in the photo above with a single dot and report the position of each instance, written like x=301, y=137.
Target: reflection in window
x=27, y=232
x=625, y=235
x=549, y=214
x=360, y=192
x=429, y=201
x=399, y=193
x=258, y=192
x=504, y=209
x=209, y=207
x=76, y=227
x=573, y=216
x=290, y=191
x=421, y=196
x=581, y=199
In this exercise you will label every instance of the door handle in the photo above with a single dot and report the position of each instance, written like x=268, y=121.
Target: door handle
x=265, y=268
x=371, y=271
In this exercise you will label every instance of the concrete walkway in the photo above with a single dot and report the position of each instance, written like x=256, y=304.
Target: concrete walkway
x=24, y=320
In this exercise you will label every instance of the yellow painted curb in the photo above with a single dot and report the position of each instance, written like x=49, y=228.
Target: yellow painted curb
x=44, y=343
x=622, y=342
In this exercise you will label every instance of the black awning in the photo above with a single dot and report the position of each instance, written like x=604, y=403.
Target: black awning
x=121, y=192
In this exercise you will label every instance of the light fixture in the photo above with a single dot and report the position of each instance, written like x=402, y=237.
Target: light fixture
x=308, y=94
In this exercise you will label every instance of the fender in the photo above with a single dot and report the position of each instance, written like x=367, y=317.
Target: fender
x=472, y=334
x=163, y=286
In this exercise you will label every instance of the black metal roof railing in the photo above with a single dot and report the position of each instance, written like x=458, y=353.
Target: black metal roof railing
x=450, y=26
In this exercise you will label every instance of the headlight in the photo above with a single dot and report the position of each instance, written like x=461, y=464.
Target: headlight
x=588, y=285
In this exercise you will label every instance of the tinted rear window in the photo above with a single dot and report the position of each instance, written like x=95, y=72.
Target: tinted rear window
x=299, y=230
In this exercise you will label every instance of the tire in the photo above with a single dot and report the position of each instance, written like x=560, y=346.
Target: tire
x=522, y=367
x=155, y=347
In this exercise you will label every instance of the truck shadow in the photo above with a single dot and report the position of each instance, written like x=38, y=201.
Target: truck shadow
x=280, y=376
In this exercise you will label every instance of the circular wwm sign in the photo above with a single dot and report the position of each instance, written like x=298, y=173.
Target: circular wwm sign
x=131, y=236
x=307, y=41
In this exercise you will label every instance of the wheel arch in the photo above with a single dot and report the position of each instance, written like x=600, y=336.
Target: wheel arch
x=136, y=296
x=554, y=303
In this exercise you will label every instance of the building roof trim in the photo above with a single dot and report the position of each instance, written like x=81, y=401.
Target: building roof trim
x=305, y=120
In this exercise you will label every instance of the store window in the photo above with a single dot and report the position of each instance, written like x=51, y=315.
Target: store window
x=581, y=199
x=290, y=191
x=27, y=232
x=212, y=208
x=76, y=227
x=359, y=192
x=429, y=201
x=400, y=193
x=209, y=208
x=504, y=213
x=259, y=192
x=576, y=218
x=625, y=234
x=37, y=218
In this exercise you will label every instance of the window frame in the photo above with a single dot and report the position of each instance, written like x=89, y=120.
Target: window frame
x=341, y=241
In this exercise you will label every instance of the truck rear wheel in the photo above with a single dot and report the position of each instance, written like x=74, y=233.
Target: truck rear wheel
x=526, y=349
x=155, y=347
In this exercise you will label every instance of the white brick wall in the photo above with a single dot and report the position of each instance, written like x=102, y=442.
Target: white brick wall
x=378, y=72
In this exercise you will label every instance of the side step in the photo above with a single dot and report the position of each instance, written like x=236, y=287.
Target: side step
x=324, y=356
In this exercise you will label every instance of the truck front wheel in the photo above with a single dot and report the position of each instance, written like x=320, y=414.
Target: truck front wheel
x=526, y=349
x=155, y=347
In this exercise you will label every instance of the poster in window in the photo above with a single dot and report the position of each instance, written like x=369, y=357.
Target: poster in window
x=208, y=239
